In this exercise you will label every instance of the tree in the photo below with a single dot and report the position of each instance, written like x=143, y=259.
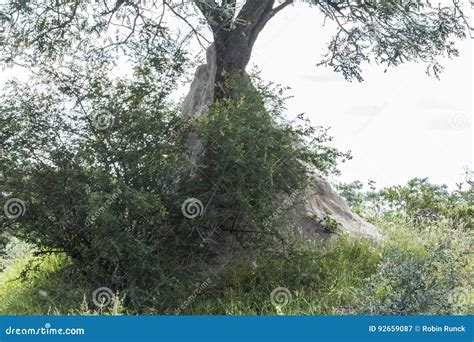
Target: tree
x=60, y=157
x=389, y=32
x=57, y=38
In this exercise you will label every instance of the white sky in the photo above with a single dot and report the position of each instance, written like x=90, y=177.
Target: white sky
x=398, y=125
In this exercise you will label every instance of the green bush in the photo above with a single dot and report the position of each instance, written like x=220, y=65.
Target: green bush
x=413, y=272
x=426, y=268
x=103, y=175
x=91, y=164
x=48, y=288
x=96, y=185
x=248, y=161
x=39, y=292
x=418, y=200
x=12, y=250
x=407, y=283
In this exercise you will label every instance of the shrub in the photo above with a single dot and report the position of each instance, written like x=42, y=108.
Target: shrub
x=249, y=162
x=414, y=272
x=408, y=282
x=91, y=164
x=418, y=200
x=311, y=281
x=13, y=249
x=425, y=269
x=97, y=169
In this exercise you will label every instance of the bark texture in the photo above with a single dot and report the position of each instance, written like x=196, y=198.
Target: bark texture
x=234, y=38
x=309, y=209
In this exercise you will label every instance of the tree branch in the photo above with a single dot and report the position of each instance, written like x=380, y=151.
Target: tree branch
x=212, y=12
x=193, y=29
x=266, y=18
x=281, y=6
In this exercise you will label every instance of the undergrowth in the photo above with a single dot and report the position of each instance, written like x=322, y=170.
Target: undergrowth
x=422, y=269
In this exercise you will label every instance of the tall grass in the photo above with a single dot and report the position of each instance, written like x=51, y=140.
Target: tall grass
x=421, y=268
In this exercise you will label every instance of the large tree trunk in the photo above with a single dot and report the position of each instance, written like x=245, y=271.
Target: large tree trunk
x=317, y=200
x=233, y=51
x=235, y=34
x=229, y=54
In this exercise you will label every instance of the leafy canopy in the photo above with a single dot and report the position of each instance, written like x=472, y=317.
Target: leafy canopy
x=389, y=32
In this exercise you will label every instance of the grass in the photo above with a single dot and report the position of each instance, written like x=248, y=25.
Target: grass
x=311, y=281
x=423, y=268
x=38, y=293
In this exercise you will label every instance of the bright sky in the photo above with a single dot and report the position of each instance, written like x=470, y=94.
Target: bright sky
x=398, y=125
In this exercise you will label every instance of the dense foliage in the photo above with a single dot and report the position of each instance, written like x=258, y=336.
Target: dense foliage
x=417, y=271
x=99, y=168
x=249, y=160
x=91, y=162
x=389, y=33
x=417, y=200
x=103, y=207
x=104, y=183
